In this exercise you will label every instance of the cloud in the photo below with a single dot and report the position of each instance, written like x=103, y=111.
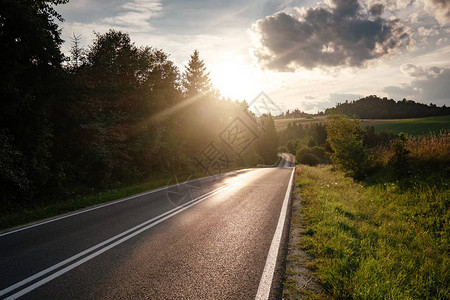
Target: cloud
x=429, y=85
x=135, y=14
x=339, y=98
x=341, y=34
x=427, y=31
x=440, y=9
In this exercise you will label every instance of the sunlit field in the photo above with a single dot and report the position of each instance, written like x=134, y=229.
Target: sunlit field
x=414, y=126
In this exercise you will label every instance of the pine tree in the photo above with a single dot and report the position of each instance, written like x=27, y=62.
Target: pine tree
x=196, y=78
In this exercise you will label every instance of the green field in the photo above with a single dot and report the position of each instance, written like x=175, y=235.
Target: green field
x=417, y=126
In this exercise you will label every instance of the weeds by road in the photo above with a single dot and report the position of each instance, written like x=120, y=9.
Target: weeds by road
x=375, y=241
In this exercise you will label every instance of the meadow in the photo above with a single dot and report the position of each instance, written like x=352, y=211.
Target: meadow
x=416, y=126
x=386, y=236
x=378, y=241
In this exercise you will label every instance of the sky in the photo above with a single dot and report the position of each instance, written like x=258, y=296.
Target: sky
x=303, y=54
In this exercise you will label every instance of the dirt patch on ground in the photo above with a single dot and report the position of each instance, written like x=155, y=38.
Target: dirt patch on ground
x=299, y=281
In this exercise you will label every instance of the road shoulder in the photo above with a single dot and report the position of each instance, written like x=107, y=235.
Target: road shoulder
x=299, y=281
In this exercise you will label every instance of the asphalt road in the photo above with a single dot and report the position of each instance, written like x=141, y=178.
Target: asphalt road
x=205, y=239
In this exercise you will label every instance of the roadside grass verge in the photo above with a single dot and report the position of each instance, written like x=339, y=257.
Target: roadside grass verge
x=375, y=241
x=30, y=213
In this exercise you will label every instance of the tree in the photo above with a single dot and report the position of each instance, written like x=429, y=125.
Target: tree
x=267, y=143
x=115, y=139
x=77, y=53
x=346, y=141
x=30, y=72
x=196, y=78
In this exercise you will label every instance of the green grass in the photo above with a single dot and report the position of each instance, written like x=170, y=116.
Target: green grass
x=378, y=241
x=19, y=215
x=31, y=213
x=418, y=126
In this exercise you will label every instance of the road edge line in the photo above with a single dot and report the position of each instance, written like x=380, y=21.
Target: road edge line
x=127, y=233
x=265, y=283
x=88, y=209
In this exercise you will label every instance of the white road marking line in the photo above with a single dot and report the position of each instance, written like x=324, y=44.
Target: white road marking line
x=158, y=219
x=266, y=279
x=112, y=203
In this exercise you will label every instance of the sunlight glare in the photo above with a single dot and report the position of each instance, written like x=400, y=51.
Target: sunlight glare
x=235, y=79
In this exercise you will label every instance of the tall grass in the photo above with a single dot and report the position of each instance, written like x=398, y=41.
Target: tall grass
x=431, y=148
x=387, y=236
x=378, y=241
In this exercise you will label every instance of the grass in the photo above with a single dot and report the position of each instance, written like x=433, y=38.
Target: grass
x=375, y=241
x=416, y=127
x=16, y=216
x=31, y=213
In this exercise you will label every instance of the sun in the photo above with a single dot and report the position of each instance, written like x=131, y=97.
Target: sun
x=234, y=79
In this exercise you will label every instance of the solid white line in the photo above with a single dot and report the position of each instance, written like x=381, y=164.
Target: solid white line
x=266, y=279
x=165, y=216
x=112, y=203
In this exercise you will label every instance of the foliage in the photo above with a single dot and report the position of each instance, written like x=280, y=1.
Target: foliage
x=267, y=143
x=30, y=76
x=308, y=134
x=296, y=113
x=110, y=116
x=311, y=156
x=293, y=145
x=346, y=142
x=376, y=241
x=306, y=158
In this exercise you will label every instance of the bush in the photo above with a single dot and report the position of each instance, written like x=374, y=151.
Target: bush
x=311, y=143
x=306, y=156
x=309, y=159
x=283, y=149
x=292, y=146
x=346, y=141
x=319, y=152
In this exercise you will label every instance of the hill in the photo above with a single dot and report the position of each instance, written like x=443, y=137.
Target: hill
x=373, y=107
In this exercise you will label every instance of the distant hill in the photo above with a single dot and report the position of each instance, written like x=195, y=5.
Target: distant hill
x=373, y=107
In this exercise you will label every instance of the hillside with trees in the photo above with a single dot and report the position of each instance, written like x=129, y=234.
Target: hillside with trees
x=373, y=107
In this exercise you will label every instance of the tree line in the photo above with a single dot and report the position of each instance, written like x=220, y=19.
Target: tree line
x=373, y=107
x=110, y=114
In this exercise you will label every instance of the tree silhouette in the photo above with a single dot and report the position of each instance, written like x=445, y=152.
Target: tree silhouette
x=196, y=78
x=373, y=107
x=30, y=70
x=77, y=53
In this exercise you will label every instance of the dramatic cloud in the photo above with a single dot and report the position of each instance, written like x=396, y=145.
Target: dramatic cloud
x=430, y=85
x=342, y=34
x=441, y=10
